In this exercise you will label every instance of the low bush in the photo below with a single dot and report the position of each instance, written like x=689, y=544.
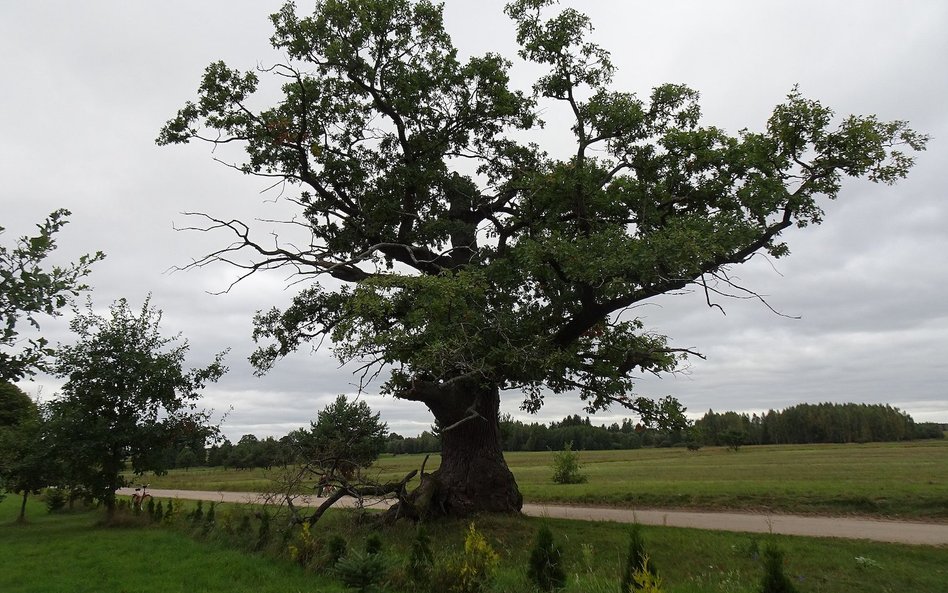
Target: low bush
x=566, y=466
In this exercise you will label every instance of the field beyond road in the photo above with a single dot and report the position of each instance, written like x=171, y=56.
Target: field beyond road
x=883, y=480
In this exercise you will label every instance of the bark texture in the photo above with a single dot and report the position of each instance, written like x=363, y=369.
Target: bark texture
x=473, y=477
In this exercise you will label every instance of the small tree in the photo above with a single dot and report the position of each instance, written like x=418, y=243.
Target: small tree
x=546, y=562
x=27, y=463
x=127, y=397
x=30, y=290
x=346, y=438
x=566, y=466
x=733, y=439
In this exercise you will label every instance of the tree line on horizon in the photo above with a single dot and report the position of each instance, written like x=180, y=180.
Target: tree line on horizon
x=799, y=424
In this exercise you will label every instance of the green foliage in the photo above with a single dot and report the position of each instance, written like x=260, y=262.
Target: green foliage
x=159, y=512
x=27, y=459
x=373, y=544
x=150, y=508
x=644, y=581
x=566, y=466
x=511, y=270
x=55, y=499
x=362, y=571
x=420, y=558
x=345, y=438
x=637, y=560
x=478, y=564
x=30, y=290
x=305, y=547
x=263, y=531
x=545, y=568
x=336, y=548
x=733, y=439
x=774, y=579
x=197, y=515
x=126, y=397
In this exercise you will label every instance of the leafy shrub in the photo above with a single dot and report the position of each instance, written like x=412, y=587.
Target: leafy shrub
x=636, y=560
x=545, y=569
x=775, y=581
x=55, y=499
x=361, y=570
x=566, y=466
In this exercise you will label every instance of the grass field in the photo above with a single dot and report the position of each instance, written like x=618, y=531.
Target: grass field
x=907, y=480
x=70, y=553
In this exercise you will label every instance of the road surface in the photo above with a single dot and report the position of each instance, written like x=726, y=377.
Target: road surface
x=902, y=532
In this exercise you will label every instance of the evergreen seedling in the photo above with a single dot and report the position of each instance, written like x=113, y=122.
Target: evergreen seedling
x=420, y=559
x=546, y=562
x=335, y=550
x=263, y=532
x=159, y=512
x=363, y=572
x=151, y=508
x=373, y=544
x=198, y=513
x=775, y=581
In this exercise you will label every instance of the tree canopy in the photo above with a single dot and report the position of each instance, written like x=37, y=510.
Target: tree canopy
x=127, y=397
x=30, y=288
x=465, y=256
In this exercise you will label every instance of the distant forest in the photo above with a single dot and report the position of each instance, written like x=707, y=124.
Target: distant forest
x=803, y=423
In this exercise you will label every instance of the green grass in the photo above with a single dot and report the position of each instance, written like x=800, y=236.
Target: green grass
x=907, y=480
x=71, y=553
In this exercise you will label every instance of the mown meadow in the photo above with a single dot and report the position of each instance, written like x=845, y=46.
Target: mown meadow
x=905, y=480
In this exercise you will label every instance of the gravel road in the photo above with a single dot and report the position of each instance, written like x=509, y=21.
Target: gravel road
x=902, y=532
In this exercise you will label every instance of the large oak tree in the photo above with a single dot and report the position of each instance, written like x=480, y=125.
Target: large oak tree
x=467, y=261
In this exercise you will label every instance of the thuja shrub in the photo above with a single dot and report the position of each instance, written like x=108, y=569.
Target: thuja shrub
x=478, y=563
x=644, y=581
x=304, y=547
x=151, y=508
x=566, y=466
x=774, y=580
x=197, y=515
x=545, y=567
x=636, y=561
x=159, y=512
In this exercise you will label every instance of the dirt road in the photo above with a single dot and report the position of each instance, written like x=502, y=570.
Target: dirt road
x=903, y=532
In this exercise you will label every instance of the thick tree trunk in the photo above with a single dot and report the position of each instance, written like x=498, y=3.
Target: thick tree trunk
x=473, y=476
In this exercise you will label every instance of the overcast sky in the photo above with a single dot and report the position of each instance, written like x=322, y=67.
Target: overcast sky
x=87, y=86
